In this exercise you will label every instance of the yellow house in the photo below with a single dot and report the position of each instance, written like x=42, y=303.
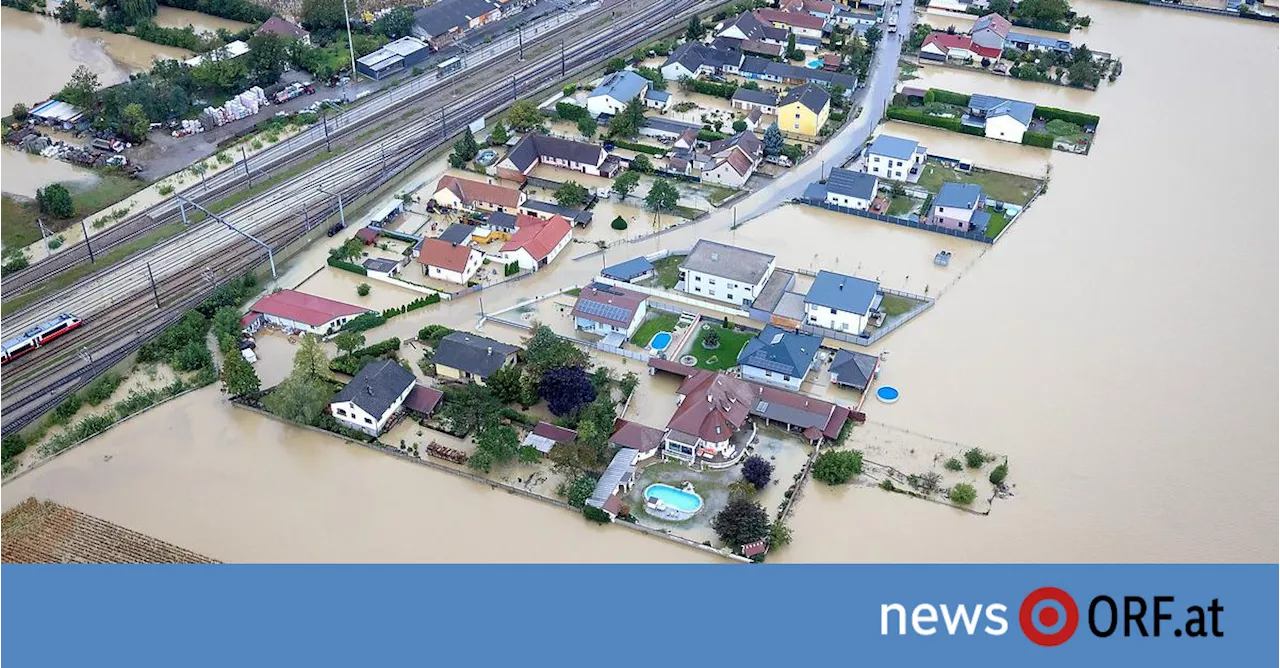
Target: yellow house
x=804, y=110
x=469, y=358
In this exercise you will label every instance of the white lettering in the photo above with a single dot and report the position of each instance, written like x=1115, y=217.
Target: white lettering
x=961, y=616
x=997, y=619
x=924, y=614
x=884, y=618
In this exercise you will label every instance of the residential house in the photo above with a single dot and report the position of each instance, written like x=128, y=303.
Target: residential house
x=990, y=32
x=768, y=70
x=819, y=8
x=1026, y=42
x=779, y=357
x=471, y=358
x=856, y=18
x=665, y=128
x=804, y=110
x=694, y=59
x=545, y=436
x=458, y=193
x=536, y=242
x=687, y=140
x=455, y=263
x=799, y=24
x=381, y=267
x=535, y=149
x=942, y=46
x=853, y=370
x=753, y=47
x=658, y=100
x=850, y=189
x=734, y=160
x=748, y=27
x=615, y=91
x=618, y=479
x=725, y=273
x=369, y=401
x=754, y=119
x=444, y=22
x=645, y=440
x=606, y=309
x=293, y=310
x=764, y=100
x=894, y=158
x=839, y=302
x=287, y=29
x=1000, y=118
x=959, y=206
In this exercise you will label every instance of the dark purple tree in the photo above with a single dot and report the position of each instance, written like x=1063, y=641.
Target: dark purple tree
x=567, y=389
x=757, y=471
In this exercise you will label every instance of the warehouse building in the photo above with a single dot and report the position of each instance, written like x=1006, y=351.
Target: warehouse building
x=394, y=57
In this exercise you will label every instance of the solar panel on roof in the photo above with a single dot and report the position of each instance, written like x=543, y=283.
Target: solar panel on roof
x=603, y=310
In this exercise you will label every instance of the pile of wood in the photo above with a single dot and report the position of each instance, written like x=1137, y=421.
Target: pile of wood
x=447, y=454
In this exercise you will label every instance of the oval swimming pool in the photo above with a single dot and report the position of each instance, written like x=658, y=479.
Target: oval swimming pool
x=887, y=394
x=660, y=341
x=686, y=502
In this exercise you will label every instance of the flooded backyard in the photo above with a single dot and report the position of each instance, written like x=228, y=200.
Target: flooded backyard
x=1135, y=421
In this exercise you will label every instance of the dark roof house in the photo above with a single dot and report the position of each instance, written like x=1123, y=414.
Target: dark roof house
x=843, y=293
x=534, y=146
x=811, y=96
x=451, y=16
x=472, y=353
x=852, y=184
x=630, y=270
x=780, y=351
x=457, y=234
x=608, y=305
x=377, y=387
x=736, y=264
x=853, y=369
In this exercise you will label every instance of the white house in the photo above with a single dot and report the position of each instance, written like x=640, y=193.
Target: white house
x=959, y=206
x=850, y=189
x=894, y=158
x=840, y=302
x=1000, y=117
x=693, y=59
x=300, y=311
x=779, y=357
x=372, y=397
x=764, y=100
x=615, y=91
x=537, y=242
x=725, y=273
x=455, y=263
x=606, y=309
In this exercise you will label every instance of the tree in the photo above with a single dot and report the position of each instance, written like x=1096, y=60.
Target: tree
x=310, y=362
x=323, y=14
x=963, y=493
x=616, y=64
x=134, y=123
x=1001, y=7
x=529, y=455
x=695, y=31
x=470, y=407
x=587, y=126
x=580, y=490
x=1042, y=13
x=975, y=458
x=81, y=89
x=498, y=136
x=505, y=384
x=773, y=141
x=566, y=389
x=396, y=23
x=662, y=196
x=1083, y=74
x=572, y=194
x=779, y=534
x=627, y=123
x=624, y=184
x=628, y=383
x=67, y=12
x=497, y=445
x=20, y=110
x=641, y=163
x=872, y=36
x=528, y=390
x=466, y=146
x=739, y=125
x=619, y=223
x=136, y=11
x=998, y=474
x=268, y=55
x=757, y=471
x=348, y=342
x=741, y=489
x=56, y=201
x=364, y=289
x=524, y=115
x=836, y=467
x=656, y=80
x=741, y=522
x=792, y=52
x=238, y=376
x=545, y=351
x=298, y=399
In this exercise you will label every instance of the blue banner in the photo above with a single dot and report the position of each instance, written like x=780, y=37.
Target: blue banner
x=568, y=616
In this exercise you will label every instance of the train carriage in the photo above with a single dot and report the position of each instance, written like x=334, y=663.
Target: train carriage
x=38, y=336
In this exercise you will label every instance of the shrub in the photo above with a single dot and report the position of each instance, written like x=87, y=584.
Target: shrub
x=1041, y=139
x=431, y=334
x=1050, y=113
x=347, y=266
x=739, y=125
x=946, y=97
x=165, y=189
x=836, y=467
x=363, y=322
x=619, y=223
x=639, y=148
x=953, y=464
x=193, y=356
x=511, y=269
x=963, y=493
x=363, y=289
x=66, y=410
x=998, y=474
x=975, y=458
x=709, y=135
x=352, y=362
x=887, y=485
x=725, y=90
x=913, y=116
x=100, y=390
x=596, y=515
x=571, y=112
x=570, y=89
x=12, y=446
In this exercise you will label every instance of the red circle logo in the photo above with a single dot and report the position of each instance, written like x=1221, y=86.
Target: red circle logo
x=1048, y=616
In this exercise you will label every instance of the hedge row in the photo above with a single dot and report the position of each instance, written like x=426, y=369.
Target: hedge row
x=710, y=135
x=913, y=116
x=363, y=322
x=414, y=305
x=352, y=362
x=1050, y=114
x=343, y=264
x=641, y=148
x=511, y=269
x=1041, y=139
x=571, y=112
x=724, y=90
x=946, y=97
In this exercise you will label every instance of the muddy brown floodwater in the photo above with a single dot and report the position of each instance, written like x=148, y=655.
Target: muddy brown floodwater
x=1119, y=345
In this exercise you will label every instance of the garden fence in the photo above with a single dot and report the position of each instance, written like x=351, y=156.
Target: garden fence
x=972, y=236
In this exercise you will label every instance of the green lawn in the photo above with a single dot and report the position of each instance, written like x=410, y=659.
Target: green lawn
x=686, y=212
x=717, y=194
x=998, y=222
x=19, y=228
x=668, y=270
x=997, y=185
x=657, y=322
x=726, y=356
x=893, y=305
x=901, y=205
x=19, y=216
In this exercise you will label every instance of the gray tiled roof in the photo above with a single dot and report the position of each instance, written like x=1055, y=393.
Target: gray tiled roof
x=958, y=195
x=621, y=86
x=500, y=220
x=626, y=271
x=575, y=216
x=811, y=96
x=447, y=15
x=852, y=184
x=780, y=351
x=377, y=386
x=534, y=145
x=853, y=369
x=380, y=264
x=471, y=353
x=765, y=97
x=773, y=289
x=731, y=262
x=843, y=293
x=457, y=233
x=667, y=125
x=893, y=147
x=1000, y=106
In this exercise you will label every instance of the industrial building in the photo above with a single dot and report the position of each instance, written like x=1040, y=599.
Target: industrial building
x=394, y=57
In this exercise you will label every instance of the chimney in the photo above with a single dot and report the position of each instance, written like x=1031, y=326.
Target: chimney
x=490, y=350
x=368, y=389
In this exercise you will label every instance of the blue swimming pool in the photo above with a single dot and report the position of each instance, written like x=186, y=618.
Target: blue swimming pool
x=660, y=341
x=815, y=63
x=678, y=499
x=887, y=394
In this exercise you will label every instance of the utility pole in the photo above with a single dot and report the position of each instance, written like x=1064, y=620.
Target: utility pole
x=182, y=207
x=561, y=58
x=245, y=161
x=44, y=234
x=88, y=245
x=342, y=214
x=520, y=37
x=271, y=256
x=324, y=120
x=351, y=47
x=154, y=292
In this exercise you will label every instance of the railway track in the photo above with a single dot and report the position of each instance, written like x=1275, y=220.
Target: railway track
x=279, y=217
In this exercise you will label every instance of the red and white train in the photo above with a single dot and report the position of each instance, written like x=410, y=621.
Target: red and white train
x=38, y=336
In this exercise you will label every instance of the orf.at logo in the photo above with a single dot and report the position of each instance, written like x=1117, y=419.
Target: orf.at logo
x=1048, y=616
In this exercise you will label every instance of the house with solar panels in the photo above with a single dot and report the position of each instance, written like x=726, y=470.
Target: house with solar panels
x=607, y=309
x=779, y=357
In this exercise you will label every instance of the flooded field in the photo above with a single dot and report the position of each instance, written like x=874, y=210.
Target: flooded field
x=172, y=17
x=1136, y=425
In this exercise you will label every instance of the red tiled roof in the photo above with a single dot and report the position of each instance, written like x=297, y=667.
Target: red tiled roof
x=796, y=19
x=367, y=235
x=739, y=161
x=477, y=191
x=437, y=253
x=538, y=237
x=557, y=434
x=423, y=399
x=946, y=41
x=612, y=504
x=838, y=417
x=715, y=406
x=608, y=295
x=995, y=23
x=986, y=51
x=642, y=438
x=304, y=308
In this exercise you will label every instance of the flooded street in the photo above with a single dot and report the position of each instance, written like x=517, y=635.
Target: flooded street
x=1119, y=345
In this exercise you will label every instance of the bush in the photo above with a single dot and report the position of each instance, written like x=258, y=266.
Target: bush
x=67, y=409
x=193, y=356
x=975, y=458
x=741, y=125
x=639, y=148
x=596, y=515
x=1050, y=114
x=953, y=464
x=757, y=471
x=913, y=116
x=836, y=467
x=100, y=390
x=364, y=289
x=352, y=362
x=431, y=334
x=946, y=97
x=511, y=269
x=1041, y=139
x=570, y=89
x=963, y=493
x=725, y=90
x=12, y=446
x=709, y=135
x=363, y=322
x=887, y=485
x=998, y=474
x=619, y=223
x=571, y=112
x=343, y=264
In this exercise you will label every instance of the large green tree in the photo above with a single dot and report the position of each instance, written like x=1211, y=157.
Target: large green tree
x=572, y=194
x=836, y=467
x=524, y=116
x=268, y=55
x=81, y=89
x=298, y=399
x=496, y=446
x=505, y=384
x=470, y=407
x=310, y=362
x=56, y=201
x=238, y=376
x=627, y=123
x=662, y=196
x=396, y=23
x=323, y=14
x=1042, y=13
x=626, y=182
x=545, y=351
x=134, y=123
x=136, y=11
x=773, y=140
x=742, y=521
